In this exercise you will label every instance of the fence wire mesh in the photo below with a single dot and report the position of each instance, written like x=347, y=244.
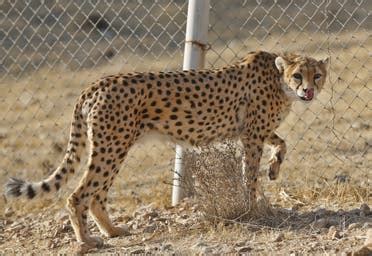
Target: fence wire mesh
x=51, y=50
x=332, y=137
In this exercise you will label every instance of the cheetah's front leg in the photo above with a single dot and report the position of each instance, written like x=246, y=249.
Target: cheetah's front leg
x=278, y=150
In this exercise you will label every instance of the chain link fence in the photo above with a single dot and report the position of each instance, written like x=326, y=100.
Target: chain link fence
x=51, y=50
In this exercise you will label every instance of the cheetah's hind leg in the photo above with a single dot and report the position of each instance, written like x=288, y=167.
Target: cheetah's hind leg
x=100, y=215
x=106, y=175
x=103, y=165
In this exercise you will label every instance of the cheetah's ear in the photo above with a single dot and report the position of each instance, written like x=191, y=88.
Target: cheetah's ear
x=325, y=63
x=281, y=64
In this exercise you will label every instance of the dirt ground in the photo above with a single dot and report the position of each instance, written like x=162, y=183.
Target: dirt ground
x=183, y=231
x=320, y=205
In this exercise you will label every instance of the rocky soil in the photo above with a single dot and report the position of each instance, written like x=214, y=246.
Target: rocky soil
x=184, y=230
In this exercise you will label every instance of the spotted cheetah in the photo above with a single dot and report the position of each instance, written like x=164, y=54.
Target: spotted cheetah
x=245, y=101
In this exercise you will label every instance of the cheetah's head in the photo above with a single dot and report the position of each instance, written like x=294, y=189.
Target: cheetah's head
x=303, y=77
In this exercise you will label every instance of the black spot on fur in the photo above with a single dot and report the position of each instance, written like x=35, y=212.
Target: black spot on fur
x=30, y=192
x=45, y=187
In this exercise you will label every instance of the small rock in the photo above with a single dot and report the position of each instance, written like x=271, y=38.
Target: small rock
x=280, y=237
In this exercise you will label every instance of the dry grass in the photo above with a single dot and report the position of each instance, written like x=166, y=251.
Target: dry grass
x=217, y=183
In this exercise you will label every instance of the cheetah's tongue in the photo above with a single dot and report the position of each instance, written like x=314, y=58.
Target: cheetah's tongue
x=309, y=94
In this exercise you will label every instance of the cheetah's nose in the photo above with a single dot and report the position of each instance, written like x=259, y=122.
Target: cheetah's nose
x=309, y=93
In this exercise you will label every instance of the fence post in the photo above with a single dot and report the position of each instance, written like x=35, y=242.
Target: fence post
x=194, y=55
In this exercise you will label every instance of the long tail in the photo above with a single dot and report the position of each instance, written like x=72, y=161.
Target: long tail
x=32, y=190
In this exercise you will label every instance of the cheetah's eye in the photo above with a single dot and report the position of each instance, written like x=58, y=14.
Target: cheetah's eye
x=317, y=76
x=297, y=76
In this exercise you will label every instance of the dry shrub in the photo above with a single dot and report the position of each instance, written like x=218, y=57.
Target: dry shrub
x=215, y=179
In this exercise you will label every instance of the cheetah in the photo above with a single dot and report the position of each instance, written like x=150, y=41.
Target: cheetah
x=245, y=101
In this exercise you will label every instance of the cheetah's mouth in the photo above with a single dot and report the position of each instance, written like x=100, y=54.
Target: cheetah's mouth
x=308, y=96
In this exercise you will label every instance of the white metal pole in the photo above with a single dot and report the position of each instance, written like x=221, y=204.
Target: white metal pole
x=195, y=49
